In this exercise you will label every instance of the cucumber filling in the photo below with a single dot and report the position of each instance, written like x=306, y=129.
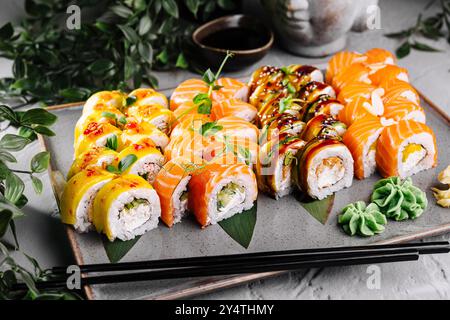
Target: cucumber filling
x=135, y=213
x=230, y=196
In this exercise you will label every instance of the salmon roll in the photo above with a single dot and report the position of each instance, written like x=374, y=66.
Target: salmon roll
x=340, y=61
x=148, y=97
x=78, y=197
x=355, y=110
x=361, y=139
x=135, y=131
x=379, y=55
x=233, y=107
x=323, y=125
x=171, y=184
x=323, y=167
x=188, y=123
x=149, y=160
x=237, y=127
x=96, y=156
x=186, y=91
x=388, y=72
x=403, y=109
x=109, y=99
x=218, y=192
x=397, y=88
x=185, y=109
x=358, y=72
x=276, y=159
x=189, y=146
x=230, y=89
x=406, y=148
x=98, y=135
x=231, y=150
x=156, y=114
x=126, y=207
x=370, y=92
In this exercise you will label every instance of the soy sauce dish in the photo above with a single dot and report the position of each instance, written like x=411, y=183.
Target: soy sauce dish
x=247, y=37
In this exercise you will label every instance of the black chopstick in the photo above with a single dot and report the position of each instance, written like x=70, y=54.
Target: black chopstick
x=247, y=263
x=238, y=268
x=422, y=247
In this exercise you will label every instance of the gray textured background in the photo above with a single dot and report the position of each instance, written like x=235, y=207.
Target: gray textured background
x=41, y=234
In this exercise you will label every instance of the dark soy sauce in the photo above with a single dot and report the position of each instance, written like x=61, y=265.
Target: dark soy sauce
x=237, y=38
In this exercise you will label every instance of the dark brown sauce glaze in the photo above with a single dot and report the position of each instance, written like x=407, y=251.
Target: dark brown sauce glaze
x=237, y=38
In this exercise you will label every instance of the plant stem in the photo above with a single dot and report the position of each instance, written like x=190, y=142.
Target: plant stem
x=22, y=171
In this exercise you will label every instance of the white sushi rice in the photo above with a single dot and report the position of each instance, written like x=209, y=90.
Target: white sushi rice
x=127, y=224
x=317, y=75
x=417, y=161
x=332, y=179
x=162, y=123
x=240, y=202
x=85, y=206
x=369, y=163
x=282, y=176
x=148, y=166
x=180, y=206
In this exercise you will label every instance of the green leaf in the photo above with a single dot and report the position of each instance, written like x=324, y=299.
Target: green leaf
x=5, y=218
x=130, y=100
x=122, y=11
x=209, y=77
x=112, y=142
x=8, y=113
x=112, y=169
x=226, y=4
x=171, y=7
x=398, y=35
x=13, y=142
x=102, y=26
x=129, y=33
x=146, y=52
x=117, y=249
x=44, y=131
x=403, y=50
x=14, y=187
x=75, y=94
x=423, y=47
x=100, y=66
x=163, y=57
x=126, y=162
x=6, y=31
x=181, y=62
x=39, y=163
x=38, y=116
x=144, y=25
x=7, y=157
x=285, y=104
x=37, y=184
x=209, y=128
x=193, y=6
x=319, y=209
x=27, y=132
x=129, y=68
x=240, y=227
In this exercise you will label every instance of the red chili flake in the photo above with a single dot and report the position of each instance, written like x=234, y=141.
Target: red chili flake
x=131, y=125
x=94, y=128
x=90, y=172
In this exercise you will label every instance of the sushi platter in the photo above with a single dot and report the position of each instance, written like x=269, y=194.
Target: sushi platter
x=279, y=160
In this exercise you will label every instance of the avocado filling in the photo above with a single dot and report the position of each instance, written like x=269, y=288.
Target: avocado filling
x=412, y=154
x=230, y=196
x=136, y=202
x=329, y=171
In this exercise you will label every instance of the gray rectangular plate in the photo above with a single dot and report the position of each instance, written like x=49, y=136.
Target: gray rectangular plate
x=281, y=225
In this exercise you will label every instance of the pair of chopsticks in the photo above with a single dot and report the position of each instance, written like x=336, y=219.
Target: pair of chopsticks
x=243, y=263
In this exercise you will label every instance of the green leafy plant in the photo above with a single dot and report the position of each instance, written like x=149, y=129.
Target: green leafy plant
x=119, y=44
x=429, y=28
x=12, y=199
